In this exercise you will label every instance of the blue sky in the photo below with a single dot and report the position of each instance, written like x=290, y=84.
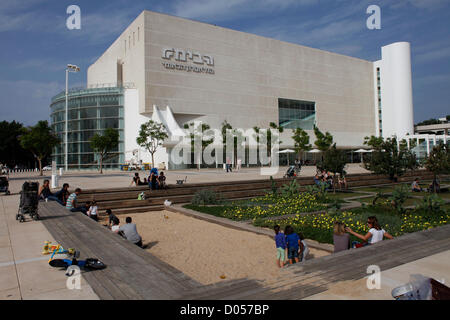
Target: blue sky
x=36, y=45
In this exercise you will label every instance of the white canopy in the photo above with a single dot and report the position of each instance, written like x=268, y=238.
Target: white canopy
x=362, y=150
x=286, y=151
x=314, y=151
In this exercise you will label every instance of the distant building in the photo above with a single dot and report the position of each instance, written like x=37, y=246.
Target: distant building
x=184, y=71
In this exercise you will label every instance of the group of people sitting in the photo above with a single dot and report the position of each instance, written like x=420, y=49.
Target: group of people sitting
x=434, y=186
x=128, y=230
x=294, y=245
x=154, y=181
x=67, y=199
x=323, y=177
x=90, y=208
x=341, y=235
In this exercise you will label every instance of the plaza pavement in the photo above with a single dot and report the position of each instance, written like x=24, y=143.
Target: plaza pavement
x=116, y=178
x=25, y=273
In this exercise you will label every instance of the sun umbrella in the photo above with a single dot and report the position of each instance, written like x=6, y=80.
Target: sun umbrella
x=287, y=151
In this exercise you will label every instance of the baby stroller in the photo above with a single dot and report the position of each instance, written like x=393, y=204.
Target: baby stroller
x=4, y=185
x=291, y=172
x=29, y=201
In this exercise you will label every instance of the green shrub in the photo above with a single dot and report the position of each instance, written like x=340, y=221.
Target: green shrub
x=205, y=197
x=291, y=189
x=431, y=205
x=400, y=194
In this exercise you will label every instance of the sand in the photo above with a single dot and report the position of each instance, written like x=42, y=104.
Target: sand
x=208, y=252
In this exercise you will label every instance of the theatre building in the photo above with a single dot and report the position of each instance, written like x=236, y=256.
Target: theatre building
x=177, y=71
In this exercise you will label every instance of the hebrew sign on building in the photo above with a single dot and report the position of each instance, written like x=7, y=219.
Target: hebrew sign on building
x=201, y=63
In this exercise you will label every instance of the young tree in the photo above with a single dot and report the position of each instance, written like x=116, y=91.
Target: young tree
x=201, y=133
x=334, y=160
x=104, y=144
x=40, y=140
x=151, y=137
x=389, y=157
x=438, y=161
x=301, y=141
x=323, y=141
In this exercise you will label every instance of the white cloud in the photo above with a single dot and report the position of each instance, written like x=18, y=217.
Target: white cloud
x=221, y=10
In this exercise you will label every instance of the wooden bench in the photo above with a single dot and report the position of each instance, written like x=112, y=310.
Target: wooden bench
x=131, y=273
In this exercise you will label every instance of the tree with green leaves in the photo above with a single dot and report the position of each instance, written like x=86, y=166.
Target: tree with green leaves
x=104, y=144
x=151, y=137
x=40, y=140
x=438, y=161
x=334, y=160
x=11, y=152
x=301, y=141
x=203, y=134
x=323, y=141
x=389, y=157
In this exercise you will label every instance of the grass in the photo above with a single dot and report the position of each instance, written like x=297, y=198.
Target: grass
x=217, y=211
x=408, y=202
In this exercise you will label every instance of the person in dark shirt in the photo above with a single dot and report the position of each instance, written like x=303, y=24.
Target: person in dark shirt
x=111, y=217
x=292, y=243
x=63, y=194
x=45, y=193
x=136, y=180
x=153, y=179
x=162, y=180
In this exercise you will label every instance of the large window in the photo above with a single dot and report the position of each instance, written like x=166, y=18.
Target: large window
x=90, y=112
x=294, y=114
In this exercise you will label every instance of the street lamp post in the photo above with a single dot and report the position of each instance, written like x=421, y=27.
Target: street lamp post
x=70, y=68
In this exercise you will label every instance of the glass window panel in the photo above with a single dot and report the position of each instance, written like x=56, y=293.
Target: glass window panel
x=109, y=123
x=106, y=112
x=293, y=114
x=73, y=125
x=88, y=113
x=88, y=124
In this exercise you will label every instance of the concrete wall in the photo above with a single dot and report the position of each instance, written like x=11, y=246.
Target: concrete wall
x=250, y=74
x=129, y=50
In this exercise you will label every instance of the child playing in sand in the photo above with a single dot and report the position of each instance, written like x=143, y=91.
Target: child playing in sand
x=92, y=212
x=304, y=250
x=292, y=241
x=280, y=242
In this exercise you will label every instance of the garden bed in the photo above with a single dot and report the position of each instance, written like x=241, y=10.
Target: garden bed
x=266, y=206
x=319, y=227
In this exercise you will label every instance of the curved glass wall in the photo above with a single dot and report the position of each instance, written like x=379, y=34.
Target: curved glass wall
x=90, y=111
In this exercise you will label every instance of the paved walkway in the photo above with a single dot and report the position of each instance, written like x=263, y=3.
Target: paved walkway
x=110, y=179
x=436, y=266
x=24, y=271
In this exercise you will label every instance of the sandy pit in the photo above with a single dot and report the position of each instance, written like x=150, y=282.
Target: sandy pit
x=208, y=252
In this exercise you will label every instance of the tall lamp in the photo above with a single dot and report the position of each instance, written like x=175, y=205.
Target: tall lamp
x=70, y=68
